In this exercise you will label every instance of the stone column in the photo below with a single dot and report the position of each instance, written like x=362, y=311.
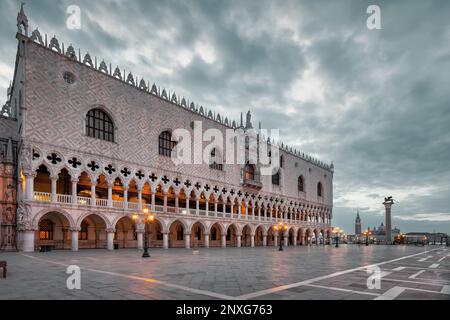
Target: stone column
x=197, y=206
x=54, y=196
x=140, y=198
x=187, y=240
x=165, y=202
x=224, y=241
x=388, y=206
x=153, y=201
x=140, y=240
x=110, y=238
x=74, y=191
x=275, y=240
x=29, y=187
x=207, y=206
x=110, y=201
x=187, y=204
x=265, y=240
x=125, y=197
x=216, y=203
x=246, y=211
x=295, y=239
x=74, y=233
x=238, y=240
x=224, y=209
x=28, y=240
x=177, y=203
x=206, y=240
x=252, y=240
x=286, y=239
x=140, y=230
x=93, y=196
x=165, y=241
x=253, y=212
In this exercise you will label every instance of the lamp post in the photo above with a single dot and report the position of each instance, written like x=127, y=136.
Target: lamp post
x=148, y=218
x=337, y=231
x=281, y=227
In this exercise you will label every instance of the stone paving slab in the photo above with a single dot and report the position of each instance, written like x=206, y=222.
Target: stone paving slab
x=248, y=273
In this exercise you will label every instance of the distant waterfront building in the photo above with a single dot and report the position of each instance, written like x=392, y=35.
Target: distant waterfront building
x=357, y=225
x=379, y=234
x=425, y=238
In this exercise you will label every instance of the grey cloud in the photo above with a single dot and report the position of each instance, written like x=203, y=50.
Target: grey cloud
x=385, y=111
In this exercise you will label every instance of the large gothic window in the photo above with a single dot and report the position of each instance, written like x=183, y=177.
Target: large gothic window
x=166, y=144
x=99, y=125
x=319, y=190
x=249, y=172
x=215, y=161
x=276, y=179
x=301, y=184
x=46, y=230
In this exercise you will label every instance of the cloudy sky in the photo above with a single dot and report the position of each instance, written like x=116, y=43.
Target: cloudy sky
x=376, y=102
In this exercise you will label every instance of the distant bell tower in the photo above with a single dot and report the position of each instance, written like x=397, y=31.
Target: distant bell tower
x=357, y=224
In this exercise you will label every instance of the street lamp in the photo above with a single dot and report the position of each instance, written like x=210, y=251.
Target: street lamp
x=337, y=231
x=281, y=227
x=148, y=218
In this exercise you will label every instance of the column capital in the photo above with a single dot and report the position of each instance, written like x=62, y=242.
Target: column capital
x=74, y=229
x=140, y=228
x=29, y=174
x=110, y=230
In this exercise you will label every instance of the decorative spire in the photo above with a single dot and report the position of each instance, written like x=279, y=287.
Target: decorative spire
x=9, y=91
x=22, y=21
x=242, y=120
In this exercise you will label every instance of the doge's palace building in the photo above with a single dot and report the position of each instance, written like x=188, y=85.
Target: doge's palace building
x=95, y=147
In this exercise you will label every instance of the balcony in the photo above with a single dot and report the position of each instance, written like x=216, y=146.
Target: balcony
x=67, y=200
x=251, y=180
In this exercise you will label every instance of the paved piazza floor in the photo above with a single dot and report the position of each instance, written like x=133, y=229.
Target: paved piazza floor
x=407, y=272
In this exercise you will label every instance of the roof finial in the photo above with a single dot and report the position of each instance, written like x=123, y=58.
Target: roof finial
x=242, y=120
x=248, y=122
x=22, y=21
